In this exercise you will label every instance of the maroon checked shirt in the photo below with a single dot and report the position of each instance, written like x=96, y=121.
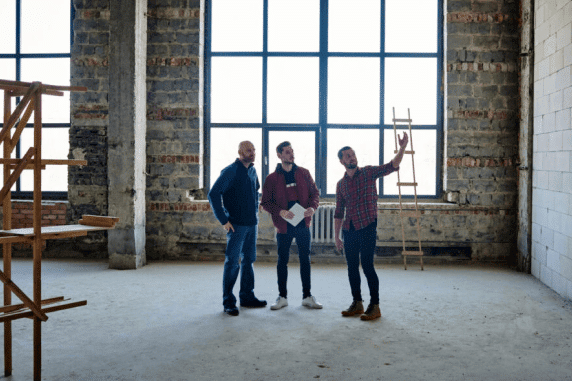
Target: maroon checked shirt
x=357, y=195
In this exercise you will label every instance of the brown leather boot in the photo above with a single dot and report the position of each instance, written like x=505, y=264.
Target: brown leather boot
x=371, y=313
x=355, y=309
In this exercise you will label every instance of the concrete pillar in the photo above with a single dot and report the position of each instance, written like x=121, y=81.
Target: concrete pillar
x=126, y=133
x=525, y=134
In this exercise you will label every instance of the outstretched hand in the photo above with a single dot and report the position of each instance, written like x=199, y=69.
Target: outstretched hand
x=403, y=141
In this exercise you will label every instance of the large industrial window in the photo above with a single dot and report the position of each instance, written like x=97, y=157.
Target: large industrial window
x=324, y=74
x=35, y=46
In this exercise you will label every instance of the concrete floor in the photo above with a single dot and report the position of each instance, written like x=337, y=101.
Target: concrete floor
x=165, y=322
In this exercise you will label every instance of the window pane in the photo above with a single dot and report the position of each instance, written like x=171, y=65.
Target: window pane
x=8, y=27
x=353, y=90
x=45, y=26
x=355, y=26
x=293, y=95
x=283, y=35
x=236, y=90
x=236, y=26
x=55, y=145
x=400, y=15
x=411, y=83
x=224, y=148
x=304, y=146
x=365, y=144
x=424, y=143
x=51, y=71
x=7, y=68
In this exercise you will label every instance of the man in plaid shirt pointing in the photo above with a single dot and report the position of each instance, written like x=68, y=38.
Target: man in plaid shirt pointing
x=356, y=198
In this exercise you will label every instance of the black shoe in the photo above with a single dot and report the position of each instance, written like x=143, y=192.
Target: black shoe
x=254, y=303
x=232, y=311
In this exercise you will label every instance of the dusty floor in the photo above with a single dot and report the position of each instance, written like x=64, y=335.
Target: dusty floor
x=165, y=322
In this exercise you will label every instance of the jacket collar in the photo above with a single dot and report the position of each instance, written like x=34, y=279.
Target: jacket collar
x=279, y=168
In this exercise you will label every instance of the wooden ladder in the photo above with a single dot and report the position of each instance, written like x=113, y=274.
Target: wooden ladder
x=412, y=213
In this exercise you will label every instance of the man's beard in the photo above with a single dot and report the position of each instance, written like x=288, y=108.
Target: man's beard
x=351, y=166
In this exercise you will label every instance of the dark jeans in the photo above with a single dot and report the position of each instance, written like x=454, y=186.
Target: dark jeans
x=302, y=235
x=240, y=244
x=362, y=242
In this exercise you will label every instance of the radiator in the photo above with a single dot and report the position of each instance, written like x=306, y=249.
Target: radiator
x=322, y=227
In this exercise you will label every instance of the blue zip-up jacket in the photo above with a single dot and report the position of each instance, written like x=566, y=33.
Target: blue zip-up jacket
x=234, y=195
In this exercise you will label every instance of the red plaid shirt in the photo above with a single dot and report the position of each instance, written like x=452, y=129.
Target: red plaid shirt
x=357, y=195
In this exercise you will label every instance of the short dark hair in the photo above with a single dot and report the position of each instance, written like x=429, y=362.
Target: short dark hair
x=281, y=146
x=341, y=151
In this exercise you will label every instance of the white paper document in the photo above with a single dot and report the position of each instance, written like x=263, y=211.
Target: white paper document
x=298, y=211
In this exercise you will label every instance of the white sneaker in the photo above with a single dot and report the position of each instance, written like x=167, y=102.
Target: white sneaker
x=311, y=302
x=280, y=302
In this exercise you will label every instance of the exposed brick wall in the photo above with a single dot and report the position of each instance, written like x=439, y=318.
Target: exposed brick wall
x=53, y=214
x=174, y=152
x=89, y=113
x=482, y=100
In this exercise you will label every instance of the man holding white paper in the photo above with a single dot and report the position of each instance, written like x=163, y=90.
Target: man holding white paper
x=291, y=197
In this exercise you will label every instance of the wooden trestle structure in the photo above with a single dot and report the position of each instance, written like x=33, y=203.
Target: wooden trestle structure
x=35, y=307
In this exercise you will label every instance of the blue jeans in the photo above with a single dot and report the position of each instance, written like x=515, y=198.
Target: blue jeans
x=240, y=244
x=302, y=235
x=356, y=242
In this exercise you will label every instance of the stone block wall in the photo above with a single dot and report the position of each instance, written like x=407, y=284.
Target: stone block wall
x=482, y=100
x=552, y=146
x=481, y=141
x=174, y=131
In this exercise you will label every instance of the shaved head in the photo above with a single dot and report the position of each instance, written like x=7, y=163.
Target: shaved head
x=246, y=152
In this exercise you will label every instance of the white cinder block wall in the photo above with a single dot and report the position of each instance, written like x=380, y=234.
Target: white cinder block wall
x=552, y=156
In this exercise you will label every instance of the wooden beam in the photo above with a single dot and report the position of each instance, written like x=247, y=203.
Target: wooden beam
x=14, y=176
x=18, y=111
x=4, y=84
x=20, y=294
x=28, y=314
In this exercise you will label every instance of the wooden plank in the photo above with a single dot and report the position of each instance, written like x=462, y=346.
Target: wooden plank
x=410, y=152
x=18, y=91
x=5, y=84
x=46, y=162
x=28, y=314
x=103, y=221
x=64, y=235
x=406, y=252
x=402, y=120
x=15, y=307
x=22, y=296
x=29, y=232
x=407, y=184
x=14, y=239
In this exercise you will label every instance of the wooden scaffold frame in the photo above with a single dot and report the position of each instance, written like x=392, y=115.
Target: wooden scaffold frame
x=35, y=307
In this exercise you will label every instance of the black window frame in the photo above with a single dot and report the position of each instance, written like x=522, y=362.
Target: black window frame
x=322, y=126
x=18, y=56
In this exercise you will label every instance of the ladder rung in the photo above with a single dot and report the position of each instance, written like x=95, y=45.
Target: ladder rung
x=403, y=120
x=407, y=184
x=410, y=214
x=416, y=252
x=411, y=152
